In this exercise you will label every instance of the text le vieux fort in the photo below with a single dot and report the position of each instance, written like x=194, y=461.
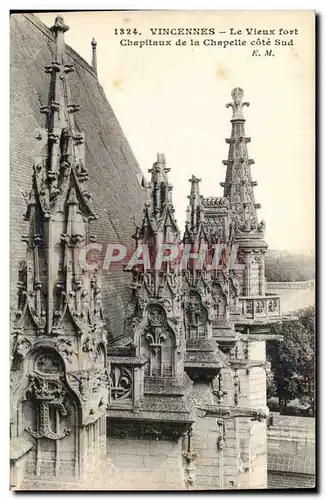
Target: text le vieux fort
x=237, y=36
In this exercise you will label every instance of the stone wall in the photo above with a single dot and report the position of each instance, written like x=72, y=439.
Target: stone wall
x=216, y=468
x=145, y=464
x=294, y=436
x=230, y=454
x=291, y=452
x=141, y=464
x=257, y=430
x=240, y=462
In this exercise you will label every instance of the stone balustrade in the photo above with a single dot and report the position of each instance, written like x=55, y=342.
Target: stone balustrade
x=259, y=307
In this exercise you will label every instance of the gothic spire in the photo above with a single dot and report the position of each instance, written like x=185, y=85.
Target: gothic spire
x=193, y=210
x=154, y=316
x=59, y=208
x=159, y=210
x=238, y=185
x=94, y=55
x=60, y=160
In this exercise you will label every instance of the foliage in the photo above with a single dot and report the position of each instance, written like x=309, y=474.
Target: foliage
x=293, y=360
x=280, y=266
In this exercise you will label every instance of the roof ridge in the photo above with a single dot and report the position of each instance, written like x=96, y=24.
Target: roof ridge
x=46, y=31
x=80, y=60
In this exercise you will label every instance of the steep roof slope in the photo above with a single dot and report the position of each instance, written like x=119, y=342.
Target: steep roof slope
x=114, y=172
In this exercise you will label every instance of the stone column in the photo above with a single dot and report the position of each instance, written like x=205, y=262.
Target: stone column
x=257, y=429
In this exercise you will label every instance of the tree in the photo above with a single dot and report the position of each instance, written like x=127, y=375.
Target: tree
x=293, y=359
x=289, y=267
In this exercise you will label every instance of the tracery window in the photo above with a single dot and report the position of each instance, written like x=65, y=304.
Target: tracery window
x=158, y=344
x=50, y=416
x=196, y=317
x=219, y=300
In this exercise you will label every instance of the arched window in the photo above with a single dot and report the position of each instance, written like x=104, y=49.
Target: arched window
x=196, y=317
x=49, y=413
x=158, y=344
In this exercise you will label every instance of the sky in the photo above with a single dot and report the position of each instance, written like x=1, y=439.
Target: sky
x=172, y=100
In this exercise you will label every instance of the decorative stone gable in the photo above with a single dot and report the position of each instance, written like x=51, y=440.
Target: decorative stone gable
x=156, y=317
x=60, y=383
x=151, y=354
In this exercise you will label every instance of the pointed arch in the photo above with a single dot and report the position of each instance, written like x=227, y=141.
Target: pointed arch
x=48, y=412
x=196, y=316
x=157, y=341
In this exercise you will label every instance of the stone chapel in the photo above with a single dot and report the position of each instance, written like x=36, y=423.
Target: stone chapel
x=148, y=379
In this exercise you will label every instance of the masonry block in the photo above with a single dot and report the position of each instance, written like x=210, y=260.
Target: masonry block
x=126, y=446
x=173, y=476
x=207, y=461
x=202, y=424
x=200, y=439
x=168, y=448
x=129, y=461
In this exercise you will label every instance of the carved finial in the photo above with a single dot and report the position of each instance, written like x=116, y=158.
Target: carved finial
x=159, y=170
x=161, y=158
x=59, y=25
x=94, y=55
x=58, y=28
x=194, y=197
x=194, y=187
x=237, y=94
x=194, y=180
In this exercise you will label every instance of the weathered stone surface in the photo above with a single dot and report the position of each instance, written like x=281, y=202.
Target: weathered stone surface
x=185, y=385
x=107, y=152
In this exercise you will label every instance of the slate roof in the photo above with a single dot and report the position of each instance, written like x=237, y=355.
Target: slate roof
x=285, y=463
x=114, y=172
